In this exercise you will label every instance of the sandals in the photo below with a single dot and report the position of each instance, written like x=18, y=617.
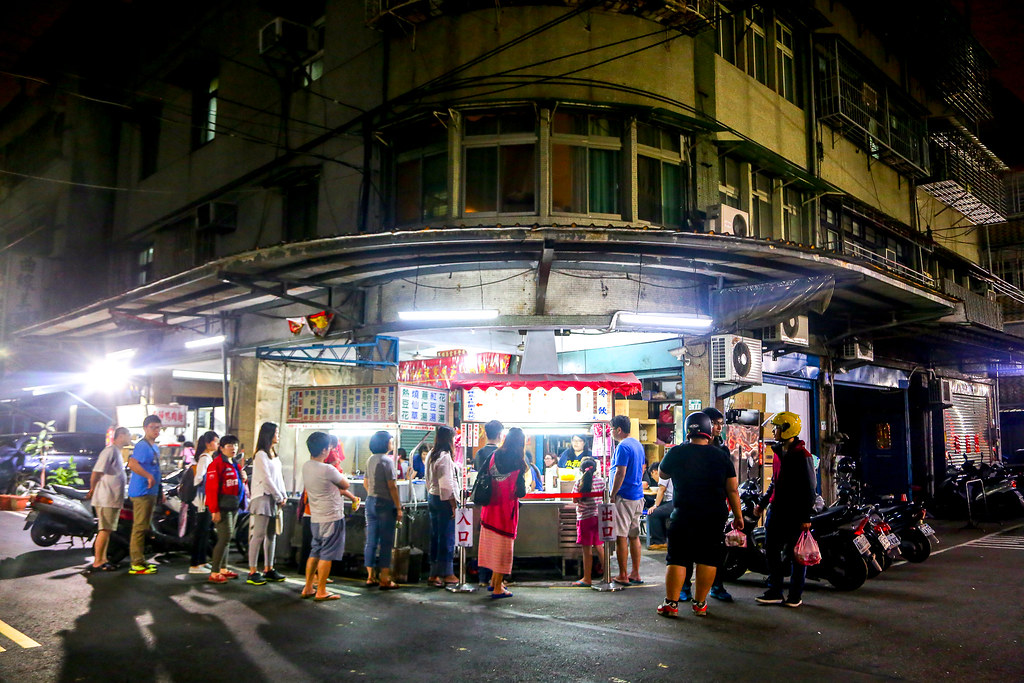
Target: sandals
x=500, y=596
x=437, y=584
x=581, y=584
x=325, y=598
x=371, y=582
x=390, y=586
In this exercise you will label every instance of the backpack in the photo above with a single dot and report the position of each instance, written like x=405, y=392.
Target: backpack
x=187, y=485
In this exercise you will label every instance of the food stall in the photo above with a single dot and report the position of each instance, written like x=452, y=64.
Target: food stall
x=354, y=414
x=543, y=406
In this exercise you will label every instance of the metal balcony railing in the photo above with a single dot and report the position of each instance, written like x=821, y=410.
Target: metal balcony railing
x=863, y=253
x=966, y=175
x=862, y=105
x=688, y=16
x=978, y=309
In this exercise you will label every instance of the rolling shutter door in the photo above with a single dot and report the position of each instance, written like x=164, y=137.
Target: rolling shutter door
x=967, y=426
x=411, y=437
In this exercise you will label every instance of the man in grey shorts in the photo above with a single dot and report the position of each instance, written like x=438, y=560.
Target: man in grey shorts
x=106, y=491
x=324, y=484
x=628, y=497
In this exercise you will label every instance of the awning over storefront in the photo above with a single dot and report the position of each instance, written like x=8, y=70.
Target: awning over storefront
x=621, y=383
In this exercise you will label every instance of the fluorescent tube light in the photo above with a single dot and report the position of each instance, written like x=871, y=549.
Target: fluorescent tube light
x=474, y=314
x=208, y=341
x=199, y=375
x=665, y=321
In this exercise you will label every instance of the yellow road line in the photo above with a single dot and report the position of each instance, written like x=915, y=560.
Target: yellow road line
x=17, y=636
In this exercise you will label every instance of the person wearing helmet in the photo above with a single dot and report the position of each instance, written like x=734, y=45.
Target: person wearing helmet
x=704, y=479
x=718, y=591
x=791, y=496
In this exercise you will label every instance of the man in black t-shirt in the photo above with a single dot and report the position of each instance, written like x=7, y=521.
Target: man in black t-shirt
x=482, y=459
x=703, y=478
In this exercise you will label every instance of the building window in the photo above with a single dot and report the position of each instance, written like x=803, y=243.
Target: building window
x=421, y=174
x=301, y=209
x=659, y=176
x=313, y=68
x=756, y=46
x=792, y=214
x=144, y=266
x=761, y=204
x=149, y=139
x=204, y=113
x=500, y=167
x=726, y=35
x=785, y=63
x=586, y=161
x=729, y=181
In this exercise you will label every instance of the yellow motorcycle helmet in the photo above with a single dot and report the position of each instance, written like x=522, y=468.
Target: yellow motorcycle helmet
x=788, y=422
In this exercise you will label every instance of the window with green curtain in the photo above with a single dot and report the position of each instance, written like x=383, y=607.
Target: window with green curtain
x=500, y=161
x=648, y=180
x=586, y=162
x=604, y=181
x=481, y=179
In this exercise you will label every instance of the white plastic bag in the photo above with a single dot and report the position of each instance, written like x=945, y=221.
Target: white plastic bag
x=736, y=539
x=806, y=551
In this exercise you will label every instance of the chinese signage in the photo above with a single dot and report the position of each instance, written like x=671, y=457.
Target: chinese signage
x=606, y=521
x=342, y=404
x=170, y=415
x=437, y=371
x=21, y=281
x=524, y=405
x=464, y=527
x=420, y=404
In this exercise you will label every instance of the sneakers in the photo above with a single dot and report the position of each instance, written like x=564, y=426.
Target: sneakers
x=685, y=595
x=669, y=608
x=256, y=579
x=201, y=569
x=143, y=569
x=790, y=602
x=770, y=598
x=719, y=593
x=274, y=575
x=700, y=609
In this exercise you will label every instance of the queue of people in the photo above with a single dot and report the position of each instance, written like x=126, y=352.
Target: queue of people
x=696, y=486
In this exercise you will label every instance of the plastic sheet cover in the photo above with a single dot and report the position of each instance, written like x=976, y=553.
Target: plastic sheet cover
x=771, y=302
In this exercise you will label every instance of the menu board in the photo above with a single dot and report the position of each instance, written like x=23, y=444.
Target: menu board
x=422, y=404
x=342, y=404
x=550, y=406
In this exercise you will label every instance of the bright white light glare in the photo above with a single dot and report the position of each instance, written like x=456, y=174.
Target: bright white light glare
x=475, y=314
x=107, y=375
x=123, y=354
x=208, y=341
x=197, y=374
x=659, y=320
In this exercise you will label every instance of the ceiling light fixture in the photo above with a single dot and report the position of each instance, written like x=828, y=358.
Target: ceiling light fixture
x=662, y=321
x=471, y=314
x=207, y=341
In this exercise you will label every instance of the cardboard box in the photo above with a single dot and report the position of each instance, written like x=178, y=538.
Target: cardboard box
x=654, y=451
x=644, y=431
x=750, y=400
x=632, y=409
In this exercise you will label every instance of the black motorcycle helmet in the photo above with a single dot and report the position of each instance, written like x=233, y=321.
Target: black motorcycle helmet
x=698, y=424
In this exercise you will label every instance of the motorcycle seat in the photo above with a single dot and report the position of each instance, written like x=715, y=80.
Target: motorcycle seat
x=70, y=492
x=830, y=514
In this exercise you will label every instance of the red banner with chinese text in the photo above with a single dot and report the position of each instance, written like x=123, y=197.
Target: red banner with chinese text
x=436, y=372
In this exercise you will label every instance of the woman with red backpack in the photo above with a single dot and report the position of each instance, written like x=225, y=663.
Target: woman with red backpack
x=224, y=496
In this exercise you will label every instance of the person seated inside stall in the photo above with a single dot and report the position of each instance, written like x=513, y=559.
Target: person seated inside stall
x=402, y=463
x=578, y=450
x=650, y=484
x=550, y=460
x=418, y=468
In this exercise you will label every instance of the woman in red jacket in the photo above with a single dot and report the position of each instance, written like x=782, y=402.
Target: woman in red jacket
x=223, y=495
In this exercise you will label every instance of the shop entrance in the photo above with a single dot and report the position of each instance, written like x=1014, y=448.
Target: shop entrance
x=875, y=420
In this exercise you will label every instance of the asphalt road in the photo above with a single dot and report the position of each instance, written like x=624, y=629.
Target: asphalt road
x=955, y=617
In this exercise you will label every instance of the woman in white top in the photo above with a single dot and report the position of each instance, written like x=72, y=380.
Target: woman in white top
x=268, y=496
x=441, y=503
x=206, y=446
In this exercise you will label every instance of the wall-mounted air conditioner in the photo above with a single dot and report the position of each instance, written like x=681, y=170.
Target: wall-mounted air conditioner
x=940, y=392
x=219, y=217
x=856, y=349
x=288, y=41
x=792, y=332
x=735, y=359
x=726, y=220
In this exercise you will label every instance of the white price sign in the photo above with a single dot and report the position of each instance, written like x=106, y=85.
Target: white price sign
x=606, y=521
x=464, y=527
x=170, y=415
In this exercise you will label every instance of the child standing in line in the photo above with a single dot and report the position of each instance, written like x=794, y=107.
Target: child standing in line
x=587, y=532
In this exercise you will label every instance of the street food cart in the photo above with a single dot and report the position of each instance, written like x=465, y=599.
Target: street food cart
x=354, y=414
x=543, y=405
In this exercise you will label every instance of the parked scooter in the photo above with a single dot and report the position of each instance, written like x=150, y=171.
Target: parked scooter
x=907, y=522
x=58, y=511
x=980, y=491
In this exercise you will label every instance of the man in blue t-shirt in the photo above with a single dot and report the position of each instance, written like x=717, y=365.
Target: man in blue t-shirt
x=143, y=489
x=627, y=494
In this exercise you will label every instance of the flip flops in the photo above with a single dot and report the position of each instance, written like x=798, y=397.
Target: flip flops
x=635, y=582
x=389, y=586
x=500, y=596
x=580, y=584
x=325, y=598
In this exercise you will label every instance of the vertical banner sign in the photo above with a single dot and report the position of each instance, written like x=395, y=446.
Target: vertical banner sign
x=464, y=527
x=606, y=521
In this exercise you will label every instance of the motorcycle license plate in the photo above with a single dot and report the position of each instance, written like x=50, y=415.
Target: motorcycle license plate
x=884, y=540
x=927, y=530
x=863, y=545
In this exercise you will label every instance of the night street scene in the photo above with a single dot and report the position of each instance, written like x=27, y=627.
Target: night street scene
x=522, y=340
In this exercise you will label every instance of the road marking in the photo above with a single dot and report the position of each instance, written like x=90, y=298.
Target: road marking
x=17, y=636
x=1007, y=543
x=976, y=540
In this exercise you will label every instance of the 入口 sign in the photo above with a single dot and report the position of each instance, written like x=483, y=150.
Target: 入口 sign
x=464, y=527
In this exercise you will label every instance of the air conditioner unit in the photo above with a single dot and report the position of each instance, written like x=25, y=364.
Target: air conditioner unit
x=288, y=41
x=219, y=217
x=735, y=359
x=855, y=349
x=792, y=331
x=940, y=392
x=725, y=220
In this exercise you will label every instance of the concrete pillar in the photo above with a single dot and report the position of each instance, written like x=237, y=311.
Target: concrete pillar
x=161, y=387
x=242, y=420
x=697, y=376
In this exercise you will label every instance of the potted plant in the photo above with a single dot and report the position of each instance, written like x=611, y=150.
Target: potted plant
x=40, y=446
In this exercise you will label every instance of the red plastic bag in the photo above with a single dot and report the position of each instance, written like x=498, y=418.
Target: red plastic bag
x=736, y=539
x=806, y=551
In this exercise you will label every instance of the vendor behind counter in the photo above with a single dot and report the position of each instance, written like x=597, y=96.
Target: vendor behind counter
x=574, y=454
